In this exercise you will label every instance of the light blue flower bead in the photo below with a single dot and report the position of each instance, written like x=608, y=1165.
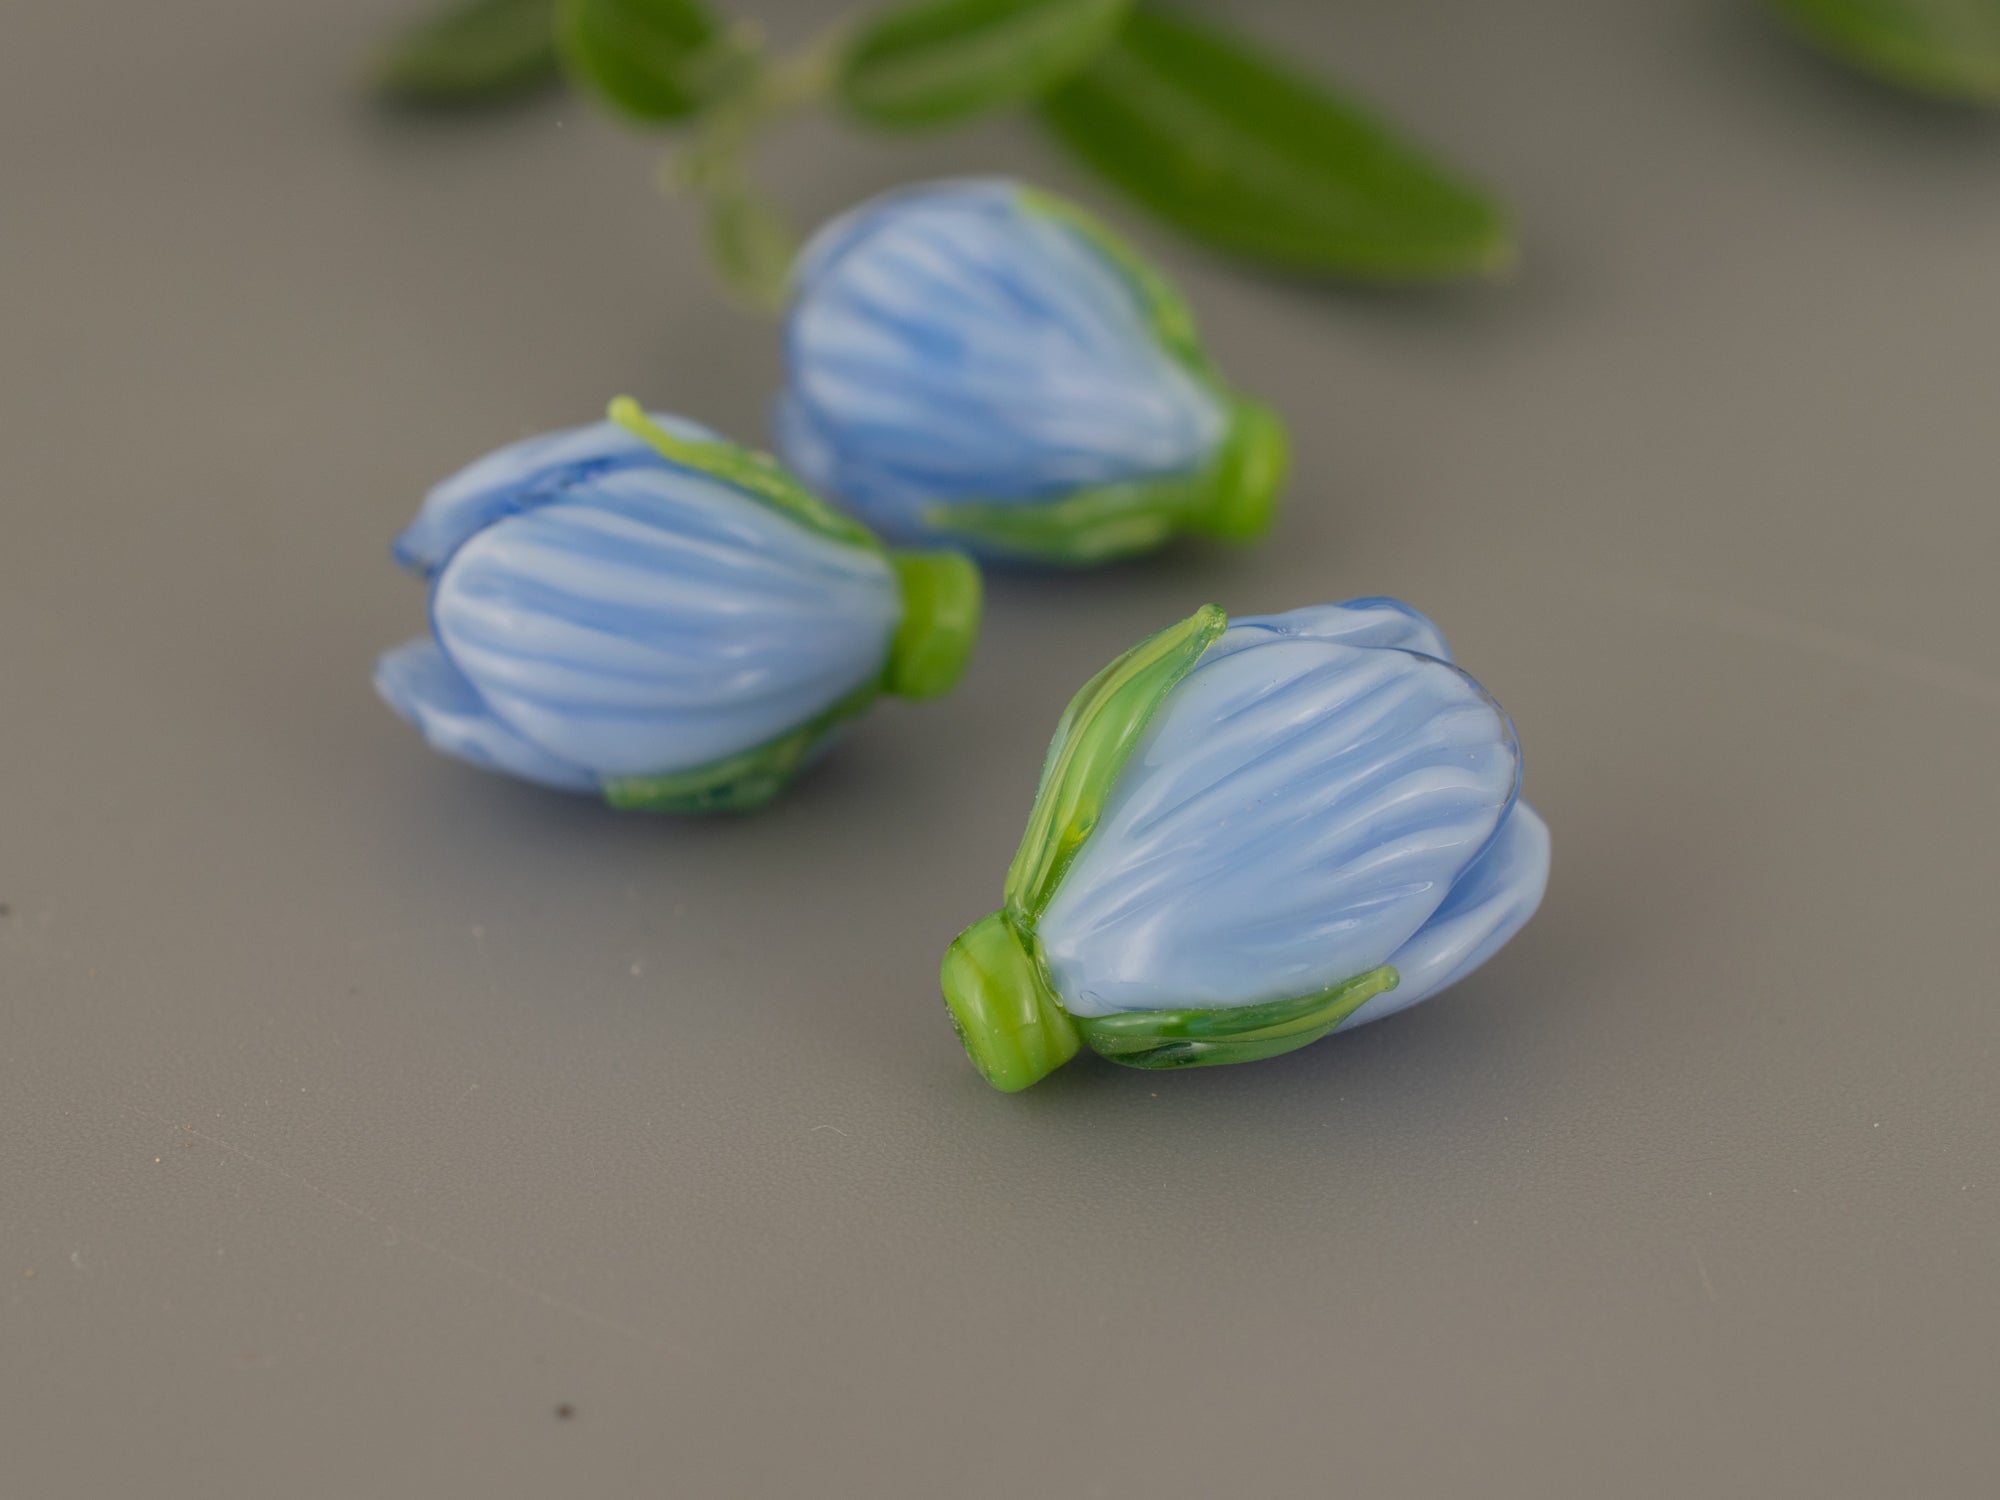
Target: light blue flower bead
x=1250, y=834
x=977, y=363
x=640, y=609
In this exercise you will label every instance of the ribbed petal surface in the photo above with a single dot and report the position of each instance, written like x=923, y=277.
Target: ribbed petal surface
x=947, y=343
x=1295, y=813
x=513, y=478
x=1491, y=902
x=419, y=682
x=651, y=620
x=1357, y=622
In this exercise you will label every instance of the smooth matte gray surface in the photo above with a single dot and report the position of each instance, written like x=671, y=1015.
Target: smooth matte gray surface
x=358, y=1110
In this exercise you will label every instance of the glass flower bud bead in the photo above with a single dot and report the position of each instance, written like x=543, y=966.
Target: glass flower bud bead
x=1250, y=834
x=978, y=364
x=641, y=610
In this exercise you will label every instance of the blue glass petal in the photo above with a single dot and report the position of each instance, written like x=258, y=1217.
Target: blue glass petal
x=992, y=197
x=1358, y=622
x=511, y=479
x=1491, y=902
x=648, y=620
x=419, y=682
x=950, y=344
x=1294, y=814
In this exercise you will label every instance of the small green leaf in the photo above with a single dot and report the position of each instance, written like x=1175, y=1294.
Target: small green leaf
x=1096, y=733
x=645, y=58
x=942, y=60
x=475, y=52
x=751, y=247
x=1948, y=49
x=1236, y=148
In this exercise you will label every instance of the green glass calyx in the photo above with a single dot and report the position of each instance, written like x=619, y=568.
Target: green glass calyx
x=941, y=605
x=1013, y=1029
x=997, y=987
x=1241, y=488
x=1199, y=1038
x=741, y=782
x=1093, y=740
x=1007, y=1014
x=1232, y=496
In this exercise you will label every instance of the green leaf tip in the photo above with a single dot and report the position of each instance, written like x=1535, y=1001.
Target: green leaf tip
x=1947, y=50
x=942, y=595
x=631, y=416
x=1007, y=1017
x=1239, y=149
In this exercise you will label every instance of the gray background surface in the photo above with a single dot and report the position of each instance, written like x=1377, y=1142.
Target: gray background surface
x=357, y=1109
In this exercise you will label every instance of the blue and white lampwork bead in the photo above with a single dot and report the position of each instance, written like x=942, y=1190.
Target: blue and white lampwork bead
x=978, y=364
x=1249, y=834
x=642, y=610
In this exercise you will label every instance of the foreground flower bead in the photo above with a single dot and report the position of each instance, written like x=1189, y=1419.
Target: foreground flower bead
x=978, y=363
x=642, y=610
x=1248, y=835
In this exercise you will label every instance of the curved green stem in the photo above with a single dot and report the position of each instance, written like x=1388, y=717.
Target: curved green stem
x=749, y=240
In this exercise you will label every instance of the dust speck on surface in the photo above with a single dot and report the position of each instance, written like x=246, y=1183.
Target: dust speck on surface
x=6, y=910
x=565, y=1411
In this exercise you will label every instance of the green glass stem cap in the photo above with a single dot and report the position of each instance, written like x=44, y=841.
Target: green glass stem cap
x=1013, y=1028
x=1248, y=476
x=941, y=604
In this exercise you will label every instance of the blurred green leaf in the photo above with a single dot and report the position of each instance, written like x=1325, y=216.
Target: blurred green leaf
x=1949, y=49
x=1236, y=148
x=751, y=246
x=645, y=58
x=943, y=60
x=474, y=52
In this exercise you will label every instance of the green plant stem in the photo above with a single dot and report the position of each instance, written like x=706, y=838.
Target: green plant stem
x=749, y=240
